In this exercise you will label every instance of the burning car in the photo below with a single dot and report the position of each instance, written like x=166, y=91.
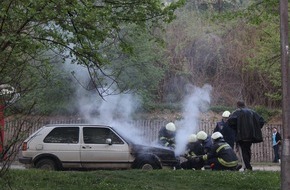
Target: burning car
x=77, y=146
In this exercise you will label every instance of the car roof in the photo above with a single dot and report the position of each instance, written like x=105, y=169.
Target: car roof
x=76, y=125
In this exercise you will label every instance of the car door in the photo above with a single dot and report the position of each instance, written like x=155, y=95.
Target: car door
x=63, y=142
x=96, y=152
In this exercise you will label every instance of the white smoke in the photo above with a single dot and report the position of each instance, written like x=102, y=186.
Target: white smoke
x=113, y=110
x=196, y=101
x=116, y=110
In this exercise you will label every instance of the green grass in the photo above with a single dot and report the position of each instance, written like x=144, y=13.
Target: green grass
x=139, y=180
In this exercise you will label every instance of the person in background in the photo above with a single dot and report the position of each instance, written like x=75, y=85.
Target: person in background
x=166, y=135
x=221, y=156
x=247, y=124
x=193, y=149
x=276, y=139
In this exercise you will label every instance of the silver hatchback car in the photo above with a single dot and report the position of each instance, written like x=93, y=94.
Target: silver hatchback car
x=78, y=146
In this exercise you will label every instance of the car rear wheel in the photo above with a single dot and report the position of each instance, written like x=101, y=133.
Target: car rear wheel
x=46, y=164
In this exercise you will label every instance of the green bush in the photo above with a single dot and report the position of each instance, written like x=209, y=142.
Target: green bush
x=266, y=113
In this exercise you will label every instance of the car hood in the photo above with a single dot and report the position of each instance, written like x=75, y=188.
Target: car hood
x=164, y=154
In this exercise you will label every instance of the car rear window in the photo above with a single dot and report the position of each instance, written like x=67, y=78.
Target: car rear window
x=96, y=135
x=63, y=135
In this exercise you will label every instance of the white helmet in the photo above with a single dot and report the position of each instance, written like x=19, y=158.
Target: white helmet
x=170, y=127
x=226, y=114
x=201, y=135
x=192, y=138
x=216, y=135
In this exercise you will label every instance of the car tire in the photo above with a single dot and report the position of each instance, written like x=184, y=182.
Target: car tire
x=46, y=164
x=147, y=163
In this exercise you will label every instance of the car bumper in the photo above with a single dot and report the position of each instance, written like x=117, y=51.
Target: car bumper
x=25, y=160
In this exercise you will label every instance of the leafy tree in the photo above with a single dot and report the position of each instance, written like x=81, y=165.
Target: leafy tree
x=34, y=33
x=78, y=31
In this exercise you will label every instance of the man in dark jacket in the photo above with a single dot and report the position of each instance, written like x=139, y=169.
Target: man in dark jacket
x=221, y=156
x=247, y=124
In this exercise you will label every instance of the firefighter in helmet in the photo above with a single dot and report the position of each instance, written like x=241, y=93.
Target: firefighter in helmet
x=166, y=135
x=221, y=156
x=205, y=140
x=193, y=149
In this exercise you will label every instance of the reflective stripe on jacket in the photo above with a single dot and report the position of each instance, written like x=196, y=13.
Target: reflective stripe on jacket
x=224, y=153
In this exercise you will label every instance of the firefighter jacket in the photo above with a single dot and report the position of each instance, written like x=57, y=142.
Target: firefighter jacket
x=207, y=144
x=223, y=152
x=194, y=149
x=166, y=138
x=219, y=126
x=228, y=132
x=247, y=124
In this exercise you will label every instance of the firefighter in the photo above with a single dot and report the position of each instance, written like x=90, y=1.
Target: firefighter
x=223, y=127
x=220, y=125
x=193, y=149
x=221, y=156
x=205, y=140
x=166, y=135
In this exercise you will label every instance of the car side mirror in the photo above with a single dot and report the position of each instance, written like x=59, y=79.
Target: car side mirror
x=109, y=141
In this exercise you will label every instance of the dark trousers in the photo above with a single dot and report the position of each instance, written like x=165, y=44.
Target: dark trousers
x=191, y=164
x=276, y=153
x=246, y=153
x=216, y=165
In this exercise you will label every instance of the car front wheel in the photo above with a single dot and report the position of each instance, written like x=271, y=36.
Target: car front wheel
x=147, y=163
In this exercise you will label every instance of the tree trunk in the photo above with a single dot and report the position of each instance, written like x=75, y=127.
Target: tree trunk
x=285, y=66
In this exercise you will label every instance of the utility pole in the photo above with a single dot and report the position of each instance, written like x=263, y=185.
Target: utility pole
x=285, y=66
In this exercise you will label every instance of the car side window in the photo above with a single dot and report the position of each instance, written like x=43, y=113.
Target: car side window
x=94, y=135
x=63, y=135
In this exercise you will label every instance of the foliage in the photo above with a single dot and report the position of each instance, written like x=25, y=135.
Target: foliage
x=261, y=51
x=140, y=71
x=137, y=179
x=220, y=109
x=78, y=32
x=266, y=113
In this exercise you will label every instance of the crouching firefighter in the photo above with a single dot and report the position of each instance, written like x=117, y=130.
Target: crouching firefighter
x=166, y=136
x=193, y=149
x=221, y=156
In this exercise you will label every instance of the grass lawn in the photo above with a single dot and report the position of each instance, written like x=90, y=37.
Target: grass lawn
x=138, y=180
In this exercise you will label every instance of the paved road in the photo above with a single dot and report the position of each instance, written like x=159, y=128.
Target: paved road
x=266, y=168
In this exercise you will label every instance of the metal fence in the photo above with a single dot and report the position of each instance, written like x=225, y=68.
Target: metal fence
x=261, y=152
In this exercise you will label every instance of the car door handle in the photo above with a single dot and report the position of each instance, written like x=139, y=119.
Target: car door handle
x=85, y=147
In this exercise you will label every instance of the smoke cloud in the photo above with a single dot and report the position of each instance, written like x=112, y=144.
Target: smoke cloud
x=116, y=110
x=196, y=101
